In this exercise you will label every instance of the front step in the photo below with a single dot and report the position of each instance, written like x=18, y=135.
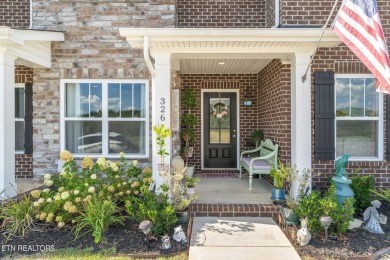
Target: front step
x=234, y=210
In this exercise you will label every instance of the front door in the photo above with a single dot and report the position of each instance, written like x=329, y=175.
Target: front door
x=220, y=129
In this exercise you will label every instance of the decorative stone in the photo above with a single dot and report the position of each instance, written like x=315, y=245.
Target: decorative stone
x=371, y=214
x=355, y=223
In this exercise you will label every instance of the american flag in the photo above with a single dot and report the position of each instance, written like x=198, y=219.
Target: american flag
x=360, y=28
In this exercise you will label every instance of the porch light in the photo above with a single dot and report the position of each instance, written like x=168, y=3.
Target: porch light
x=221, y=63
x=145, y=226
x=247, y=101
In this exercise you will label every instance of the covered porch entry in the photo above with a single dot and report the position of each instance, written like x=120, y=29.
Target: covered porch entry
x=242, y=62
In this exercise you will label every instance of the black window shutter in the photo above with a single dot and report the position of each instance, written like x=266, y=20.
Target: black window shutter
x=387, y=127
x=324, y=117
x=28, y=114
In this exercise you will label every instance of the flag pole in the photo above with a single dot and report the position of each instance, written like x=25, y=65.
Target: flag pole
x=319, y=40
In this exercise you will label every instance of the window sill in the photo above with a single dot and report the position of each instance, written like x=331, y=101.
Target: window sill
x=81, y=156
x=365, y=159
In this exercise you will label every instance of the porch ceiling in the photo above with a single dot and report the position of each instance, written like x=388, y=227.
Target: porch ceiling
x=31, y=47
x=228, y=40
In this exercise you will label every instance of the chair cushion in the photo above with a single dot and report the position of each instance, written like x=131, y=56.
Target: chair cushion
x=258, y=164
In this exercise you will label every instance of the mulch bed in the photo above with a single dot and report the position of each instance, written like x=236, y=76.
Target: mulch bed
x=126, y=239
x=356, y=243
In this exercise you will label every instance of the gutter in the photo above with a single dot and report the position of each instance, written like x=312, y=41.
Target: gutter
x=31, y=10
x=277, y=14
x=147, y=57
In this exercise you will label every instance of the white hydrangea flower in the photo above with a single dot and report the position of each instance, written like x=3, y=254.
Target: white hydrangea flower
x=64, y=195
x=47, y=176
x=134, y=163
x=86, y=184
x=49, y=183
x=36, y=204
x=91, y=189
x=93, y=176
x=76, y=192
x=41, y=200
x=46, y=190
x=61, y=224
x=49, y=200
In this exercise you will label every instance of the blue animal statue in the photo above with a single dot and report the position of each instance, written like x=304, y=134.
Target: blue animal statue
x=340, y=166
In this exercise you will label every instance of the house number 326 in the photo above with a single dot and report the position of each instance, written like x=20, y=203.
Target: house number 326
x=162, y=109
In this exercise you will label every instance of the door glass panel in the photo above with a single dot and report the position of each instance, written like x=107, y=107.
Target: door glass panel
x=219, y=120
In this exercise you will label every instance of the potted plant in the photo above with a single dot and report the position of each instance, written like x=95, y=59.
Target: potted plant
x=289, y=215
x=190, y=184
x=257, y=136
x=162, y=132
x=180, y=200
x=189, y=120
x=280, y=175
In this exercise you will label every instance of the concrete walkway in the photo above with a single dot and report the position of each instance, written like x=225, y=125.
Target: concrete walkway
x=239, y=238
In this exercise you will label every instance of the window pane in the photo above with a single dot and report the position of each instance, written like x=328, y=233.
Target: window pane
x=372, y=99
x=128, y=137
x=225, y=136
x=114, y=105
x=19, y=135
x=127, y=101
x=357, y=97
x=19, y=102
x=83, y=137
x=357, y=138
x=139, y=100
x=342, y=97
x=83, y=100
x=214, y=136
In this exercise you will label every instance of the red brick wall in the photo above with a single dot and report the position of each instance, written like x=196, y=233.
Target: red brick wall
x=23, y=74
x=221, y=14
x=15, y=13
x=248, y=115
x=23, y=162
x=275, y=106
x=23, y=166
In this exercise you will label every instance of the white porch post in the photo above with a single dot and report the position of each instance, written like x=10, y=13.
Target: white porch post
x=161, y=110
x=7, y=125
x=300, y=116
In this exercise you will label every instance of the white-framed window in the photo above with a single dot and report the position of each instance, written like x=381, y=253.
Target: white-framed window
x=105, y=117
x=359, y=117
x=19, y=118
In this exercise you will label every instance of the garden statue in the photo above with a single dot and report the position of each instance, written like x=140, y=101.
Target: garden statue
x=341, y=180
x=166, y=242
x=371, y=214
x=303, y=234
x=340, y=166
x=179, y=235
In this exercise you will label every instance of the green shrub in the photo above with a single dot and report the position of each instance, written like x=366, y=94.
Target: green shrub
x=16, y=216
x=155, y=208
x=97, y=216
x=383, y=193
x=314, y=206
x=362, y=187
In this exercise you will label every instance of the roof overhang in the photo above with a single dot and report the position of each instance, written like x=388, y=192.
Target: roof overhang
x=31, y=47
x=222, y=40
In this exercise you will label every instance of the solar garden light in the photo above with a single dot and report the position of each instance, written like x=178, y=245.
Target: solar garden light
x=145, y=226
x=326, y=221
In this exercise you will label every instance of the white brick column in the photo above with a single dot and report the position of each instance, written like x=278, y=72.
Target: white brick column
x=161, y=108
x=300, y=115
x=7, y=125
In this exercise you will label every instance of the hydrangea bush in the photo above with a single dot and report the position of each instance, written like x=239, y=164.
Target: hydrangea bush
x=65, y=196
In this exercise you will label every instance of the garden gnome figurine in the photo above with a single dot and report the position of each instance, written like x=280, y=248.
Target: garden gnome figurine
x=166, y=242
x=179, y=235
x=371, y=214
x=303, y=235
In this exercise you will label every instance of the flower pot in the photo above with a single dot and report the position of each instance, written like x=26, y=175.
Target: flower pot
x=178, y=164
x=289, y=216
x=190, y=190
x=190, y=171
x=278, y=194
x=182, y=217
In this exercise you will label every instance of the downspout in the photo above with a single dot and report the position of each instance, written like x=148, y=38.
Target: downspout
x=31, y=10
x=277, y=14
x=147, y=56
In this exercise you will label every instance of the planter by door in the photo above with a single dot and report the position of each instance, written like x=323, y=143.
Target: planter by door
x=278, y=194
x=289, y=216
x=190, y=171
x=190, y=190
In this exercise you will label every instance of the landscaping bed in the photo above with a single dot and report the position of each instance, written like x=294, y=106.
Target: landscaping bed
x=358, y=242
x=127, y=239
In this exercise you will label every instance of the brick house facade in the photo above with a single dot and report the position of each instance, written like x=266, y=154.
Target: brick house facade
x=104, y=54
